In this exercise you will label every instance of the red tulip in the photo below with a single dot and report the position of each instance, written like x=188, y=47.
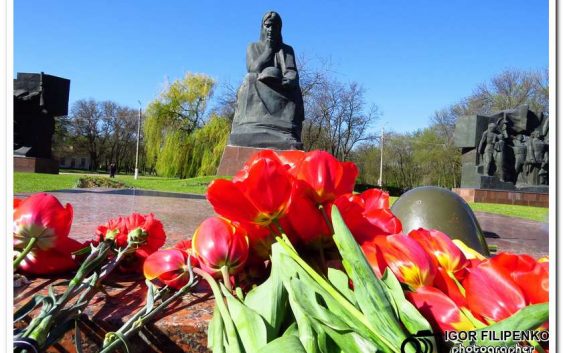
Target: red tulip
x=43, y=220
x=258, y=194
x=441, y=249
x=292, y=159
x=170, y=266
x=531, y=276
x=327, y=176
x=41, y=216
x=367, y=215
x=491, y=294
x=52, y=261
x=219, y=243
x=408, y=260
x=441, y=311
x=304, y=222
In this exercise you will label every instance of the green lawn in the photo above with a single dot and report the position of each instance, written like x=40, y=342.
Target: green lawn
x=539, y=214
x=34, y=182
x=192, y=185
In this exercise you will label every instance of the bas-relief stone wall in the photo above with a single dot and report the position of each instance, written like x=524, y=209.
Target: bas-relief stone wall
x=508, y=150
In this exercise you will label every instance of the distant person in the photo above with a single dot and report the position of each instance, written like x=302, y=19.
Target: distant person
x=112, y=169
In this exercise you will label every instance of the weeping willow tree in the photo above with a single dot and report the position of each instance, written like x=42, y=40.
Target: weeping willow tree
x=205, y=147
x=172, y=124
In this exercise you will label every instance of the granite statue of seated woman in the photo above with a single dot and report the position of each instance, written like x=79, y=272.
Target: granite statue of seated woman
x=269, y=110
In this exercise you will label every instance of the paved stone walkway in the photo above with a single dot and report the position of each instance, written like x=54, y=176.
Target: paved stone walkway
x=182, y=213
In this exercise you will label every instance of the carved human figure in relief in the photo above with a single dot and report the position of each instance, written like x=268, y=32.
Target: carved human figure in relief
x=487, y=148
x=535, y=149
x=519, y=156
x=269, y=110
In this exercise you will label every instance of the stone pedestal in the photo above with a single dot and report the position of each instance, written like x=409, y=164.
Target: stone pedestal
x=509, y=197
x=234, y=157
x=36, y=165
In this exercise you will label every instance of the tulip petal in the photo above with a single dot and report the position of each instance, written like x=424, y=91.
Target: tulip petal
x=408, y=261
x=375, y=199
x=217, y=243
x=43, y=216
x=323, y=173
x=531, y=276
x=163, y=261
x=491, y=294
x=348, y=180
x=441, y=249
x=268, y=186
x=229, y=201
x=441, y=311
x=293, y=159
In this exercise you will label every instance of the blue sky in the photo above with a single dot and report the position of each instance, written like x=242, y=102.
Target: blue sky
x=412, y=57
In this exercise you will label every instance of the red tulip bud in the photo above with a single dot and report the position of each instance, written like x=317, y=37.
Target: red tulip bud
x=218, y=243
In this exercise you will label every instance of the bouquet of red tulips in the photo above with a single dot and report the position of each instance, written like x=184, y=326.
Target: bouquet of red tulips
x=297, y=261
x=289, y=205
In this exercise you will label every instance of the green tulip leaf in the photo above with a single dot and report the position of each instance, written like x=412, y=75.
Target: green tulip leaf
x=215, y=333
x=370, y=292
x=231, y=340
x=288, y=343
x=350, y=341
x=340, y=280
x=250, y=326
x=305, y=330
x=407, y=312
x=525, y=319
x=291, y=330
x=270, y=301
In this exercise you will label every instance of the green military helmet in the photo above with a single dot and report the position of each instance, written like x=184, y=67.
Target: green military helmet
x=433, y=207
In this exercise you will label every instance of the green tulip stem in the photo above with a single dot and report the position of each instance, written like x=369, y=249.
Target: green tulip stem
x=230, y=330
x=87, y=282
x=325, y=285
x=136, y=322
x=326, y=218
x=25, y=251
x=226, y=278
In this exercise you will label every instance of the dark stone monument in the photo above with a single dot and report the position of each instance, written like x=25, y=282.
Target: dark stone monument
x=38, y=99
x=269, y=111
x=507, y=150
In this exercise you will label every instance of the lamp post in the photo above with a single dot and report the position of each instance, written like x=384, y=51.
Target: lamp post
x=380, y=180
x=138, y=138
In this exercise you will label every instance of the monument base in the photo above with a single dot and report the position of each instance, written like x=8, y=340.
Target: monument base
x=36, y=165
x=509, y=197
x=234, y=157
x=264, y=137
